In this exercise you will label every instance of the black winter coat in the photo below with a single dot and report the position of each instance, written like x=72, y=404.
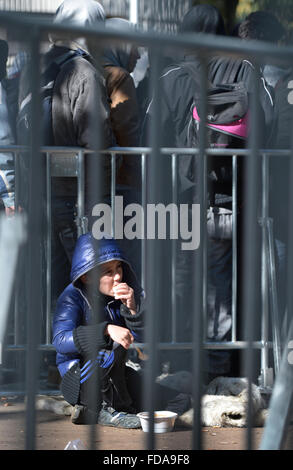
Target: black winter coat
x=80, y=107
x=177, y=95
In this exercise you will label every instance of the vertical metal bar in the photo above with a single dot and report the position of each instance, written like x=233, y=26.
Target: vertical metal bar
x=280, y=409
x=143, y=202
x=204, y=241
x=251, y=245
x=49, y=249
x=199, y=271
x=16, y=180
x=34, y=240
x=173, y=255
x=274, y=298
x=153, y=267
x=281, y=400
x=80, y=193
x=17, y=280
x=113, y=190
x=264, y=277
x=95, y=178
x=234, y=249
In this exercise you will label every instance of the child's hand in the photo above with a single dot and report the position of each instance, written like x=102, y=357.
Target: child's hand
x=120, y=334
x=126, y=294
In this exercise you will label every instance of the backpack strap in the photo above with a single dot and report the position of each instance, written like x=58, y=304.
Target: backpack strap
x=226, y=70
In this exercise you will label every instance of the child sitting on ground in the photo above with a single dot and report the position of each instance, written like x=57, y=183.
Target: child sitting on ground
x=98, y=316
x=87, y=337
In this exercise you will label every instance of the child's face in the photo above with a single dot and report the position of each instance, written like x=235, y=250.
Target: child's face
x=110, y=277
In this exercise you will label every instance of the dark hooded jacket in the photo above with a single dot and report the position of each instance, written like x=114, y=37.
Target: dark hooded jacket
x=79, y=96
x=178, y=88
x=75, y=322
x=177, y=93
x=80, y=104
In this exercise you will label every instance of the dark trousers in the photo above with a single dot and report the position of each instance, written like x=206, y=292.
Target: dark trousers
x=219, y=290
x=111, y=375
x=121, y=387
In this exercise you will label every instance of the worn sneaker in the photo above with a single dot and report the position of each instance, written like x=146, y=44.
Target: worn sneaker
x=119, y=419
x=82, y=415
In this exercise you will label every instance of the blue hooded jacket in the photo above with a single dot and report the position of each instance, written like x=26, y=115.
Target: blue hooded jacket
x=74, y=306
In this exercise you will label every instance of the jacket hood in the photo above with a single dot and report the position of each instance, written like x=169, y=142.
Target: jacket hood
x=90, y=253
x=118, y=55
x=203, y=19
x=85, y=13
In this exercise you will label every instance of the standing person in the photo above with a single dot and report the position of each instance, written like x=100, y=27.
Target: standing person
x=264, y=26
x=177, y=96
x=79, y=102
x=119, y=62
x=84, y=103
x=80, y=82
x=8, y=112
x=279, y=192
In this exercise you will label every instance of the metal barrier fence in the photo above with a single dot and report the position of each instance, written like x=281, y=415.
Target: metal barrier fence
x=69, y=162
x=153, y=267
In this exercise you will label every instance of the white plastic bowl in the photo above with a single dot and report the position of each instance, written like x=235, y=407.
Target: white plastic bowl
x=163, y=421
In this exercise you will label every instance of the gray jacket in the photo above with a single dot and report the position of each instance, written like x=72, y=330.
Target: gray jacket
x=83, y=106
x=80, y=111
